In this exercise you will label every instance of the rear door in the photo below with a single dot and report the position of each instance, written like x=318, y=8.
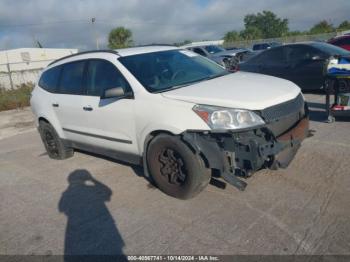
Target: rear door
x=68, y=102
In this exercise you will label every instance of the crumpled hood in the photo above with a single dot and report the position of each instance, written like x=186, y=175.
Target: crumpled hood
x=238, y=90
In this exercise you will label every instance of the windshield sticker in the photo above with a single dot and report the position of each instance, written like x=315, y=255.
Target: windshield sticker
x=188, y=53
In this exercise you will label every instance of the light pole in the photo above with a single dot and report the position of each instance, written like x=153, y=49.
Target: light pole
x=93, y=20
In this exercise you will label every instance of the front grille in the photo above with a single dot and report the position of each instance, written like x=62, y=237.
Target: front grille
x=291, y=107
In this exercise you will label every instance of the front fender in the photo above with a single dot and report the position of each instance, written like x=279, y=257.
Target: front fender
x=150, y=129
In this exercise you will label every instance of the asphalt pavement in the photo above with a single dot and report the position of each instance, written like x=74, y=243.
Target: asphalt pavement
x=92, y=205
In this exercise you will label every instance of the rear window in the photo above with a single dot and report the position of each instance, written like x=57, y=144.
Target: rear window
x=331, y=49
x=49, y=79
x=72, y=78
x=342, y=41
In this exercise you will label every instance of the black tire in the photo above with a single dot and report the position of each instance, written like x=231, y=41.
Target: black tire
x=175, y=169
x=54, y=146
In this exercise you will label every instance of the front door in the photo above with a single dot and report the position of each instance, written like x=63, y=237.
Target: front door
x=108, y=123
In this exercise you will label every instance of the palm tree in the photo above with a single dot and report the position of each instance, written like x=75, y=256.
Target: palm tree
x=119, y=37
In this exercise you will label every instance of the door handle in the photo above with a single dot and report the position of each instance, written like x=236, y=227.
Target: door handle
x=55, y=105
x=87, y=108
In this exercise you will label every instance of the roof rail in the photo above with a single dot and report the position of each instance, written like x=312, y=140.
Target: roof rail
x=154, y=45
x=83, y=53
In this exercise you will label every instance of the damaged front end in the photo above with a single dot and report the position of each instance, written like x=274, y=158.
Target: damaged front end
x=237, y=154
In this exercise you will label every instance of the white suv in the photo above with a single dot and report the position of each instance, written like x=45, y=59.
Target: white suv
x=179, y=114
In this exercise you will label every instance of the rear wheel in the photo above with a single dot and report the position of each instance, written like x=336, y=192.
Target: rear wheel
x=54, y=146
x=175, y=169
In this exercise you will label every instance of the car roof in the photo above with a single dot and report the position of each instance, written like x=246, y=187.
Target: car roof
x=144, y=49
x=197, y=45
x=305, y=43
x=338, y=37
x=119, y=52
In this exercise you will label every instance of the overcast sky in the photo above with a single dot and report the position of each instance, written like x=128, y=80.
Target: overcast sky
x=63, y=23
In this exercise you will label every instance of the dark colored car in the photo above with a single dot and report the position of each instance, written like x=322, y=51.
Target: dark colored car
x=302, y=63
x=341, y=41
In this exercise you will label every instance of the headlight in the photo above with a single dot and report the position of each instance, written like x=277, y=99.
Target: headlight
x=227, y=118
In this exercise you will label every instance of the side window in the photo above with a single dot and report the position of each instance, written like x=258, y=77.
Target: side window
x=103, y=75
x=301, y=53
x=273, y=56
x=199, y=51
x=277, y=55
x=72, y=78
x=49, y=79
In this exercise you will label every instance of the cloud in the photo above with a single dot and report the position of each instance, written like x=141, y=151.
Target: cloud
x=68, y=23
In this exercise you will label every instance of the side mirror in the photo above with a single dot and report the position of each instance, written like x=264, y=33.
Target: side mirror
x=113, y=92
x=316, y=58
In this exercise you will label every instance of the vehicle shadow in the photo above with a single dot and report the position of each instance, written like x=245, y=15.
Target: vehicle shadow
x=137, y=169
x=91, y=232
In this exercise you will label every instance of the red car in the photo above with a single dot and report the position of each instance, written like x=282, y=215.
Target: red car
x=341, y=41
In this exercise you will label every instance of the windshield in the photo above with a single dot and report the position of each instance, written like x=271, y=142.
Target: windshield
x=165, y=70
x=331, y=49
x=213, y=49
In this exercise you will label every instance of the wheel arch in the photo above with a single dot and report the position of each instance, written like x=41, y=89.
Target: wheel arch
x=155, y=133
x=56, y=125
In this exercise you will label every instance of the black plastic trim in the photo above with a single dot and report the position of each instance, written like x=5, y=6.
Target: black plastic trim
x=110, y=153
x=98, y=136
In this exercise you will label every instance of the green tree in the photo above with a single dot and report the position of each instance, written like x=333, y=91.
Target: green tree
x=251, y=33
x=321, y=28
x=265, y=25
x=345, y=25
x=119, y=37
x=231, y=36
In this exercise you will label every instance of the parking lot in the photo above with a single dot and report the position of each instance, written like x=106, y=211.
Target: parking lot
x=46, y=209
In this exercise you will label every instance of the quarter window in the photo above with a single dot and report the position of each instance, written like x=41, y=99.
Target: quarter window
x=301, y=53
x=49, y=79
x=72, y=78
x=103, y=75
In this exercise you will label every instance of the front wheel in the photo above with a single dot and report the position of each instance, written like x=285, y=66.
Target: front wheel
x=175, y=169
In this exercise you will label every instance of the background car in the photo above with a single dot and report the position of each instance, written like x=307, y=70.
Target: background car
x=264, y=46
x=227, y=58
x=301, y=63
x=341, y=41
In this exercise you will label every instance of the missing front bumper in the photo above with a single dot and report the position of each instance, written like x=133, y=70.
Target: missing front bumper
x=243, y=153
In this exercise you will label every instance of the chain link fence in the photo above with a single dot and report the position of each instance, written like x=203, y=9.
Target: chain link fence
x=286, y=39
